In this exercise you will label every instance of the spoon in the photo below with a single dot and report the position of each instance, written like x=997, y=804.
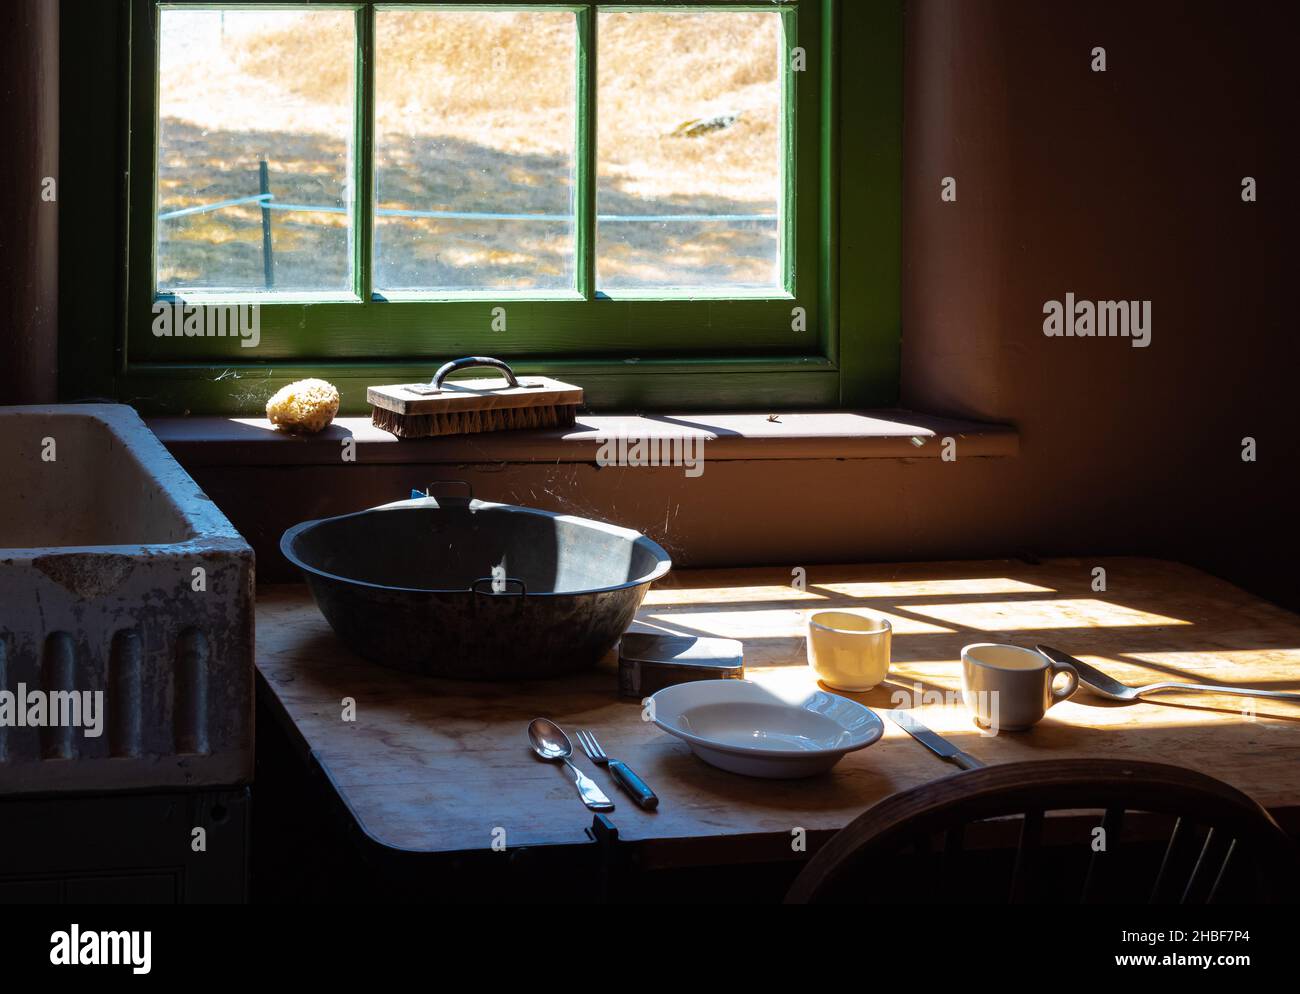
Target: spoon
x=549, y=741
x=1111, y=688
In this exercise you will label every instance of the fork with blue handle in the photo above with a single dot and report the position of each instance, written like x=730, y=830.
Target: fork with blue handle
x=636, y=788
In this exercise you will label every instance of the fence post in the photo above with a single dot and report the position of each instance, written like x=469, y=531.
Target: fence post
x=268, y=260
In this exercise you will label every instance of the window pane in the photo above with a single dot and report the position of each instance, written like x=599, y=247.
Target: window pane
x=689, y=146
x=474, y=150
x=236, y=89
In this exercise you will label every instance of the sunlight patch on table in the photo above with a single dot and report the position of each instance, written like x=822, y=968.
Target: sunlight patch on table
x=1261, y=669
x=730, y=595
x=778, y=623
x=1000, y=616
x=931, y=588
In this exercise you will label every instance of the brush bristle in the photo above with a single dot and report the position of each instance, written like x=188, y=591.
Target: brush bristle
x=470, y=422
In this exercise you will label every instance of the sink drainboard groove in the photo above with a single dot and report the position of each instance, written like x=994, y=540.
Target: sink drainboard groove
x=123, y=697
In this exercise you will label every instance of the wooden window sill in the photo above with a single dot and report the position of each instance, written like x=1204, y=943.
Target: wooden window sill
x=882, y=434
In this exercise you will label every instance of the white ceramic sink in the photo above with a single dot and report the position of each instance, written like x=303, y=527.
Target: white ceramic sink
x=118, y=577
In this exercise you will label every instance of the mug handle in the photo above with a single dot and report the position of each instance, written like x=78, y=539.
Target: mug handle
x=1072, y=681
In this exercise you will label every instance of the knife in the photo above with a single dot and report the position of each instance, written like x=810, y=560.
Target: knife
x=937, y=744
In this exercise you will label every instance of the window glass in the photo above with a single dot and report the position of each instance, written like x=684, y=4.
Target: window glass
x=255, y=125
x=475, y=133
x=689, y=144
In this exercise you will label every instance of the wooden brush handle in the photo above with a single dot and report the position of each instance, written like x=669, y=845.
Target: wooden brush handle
x=469, y=361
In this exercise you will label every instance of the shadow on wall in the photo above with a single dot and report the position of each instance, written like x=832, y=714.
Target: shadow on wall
x=1122, y=184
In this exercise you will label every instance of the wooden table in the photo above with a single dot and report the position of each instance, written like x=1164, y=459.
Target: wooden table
x=437, y=767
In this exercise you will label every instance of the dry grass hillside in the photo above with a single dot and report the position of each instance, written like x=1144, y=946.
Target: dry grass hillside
x=474, y=113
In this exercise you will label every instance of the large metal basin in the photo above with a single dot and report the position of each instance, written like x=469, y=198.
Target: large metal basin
x=473, y=590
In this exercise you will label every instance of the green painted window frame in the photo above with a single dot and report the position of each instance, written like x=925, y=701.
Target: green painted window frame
x=697, y=353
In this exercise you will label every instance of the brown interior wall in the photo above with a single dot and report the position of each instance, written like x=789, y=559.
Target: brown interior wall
x=29, y=224
x=1123, y=184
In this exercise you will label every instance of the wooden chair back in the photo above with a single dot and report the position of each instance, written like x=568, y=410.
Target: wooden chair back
x=1090, y=830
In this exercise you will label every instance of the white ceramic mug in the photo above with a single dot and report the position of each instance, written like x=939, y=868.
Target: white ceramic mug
x=849, y=650
x=1009, y=688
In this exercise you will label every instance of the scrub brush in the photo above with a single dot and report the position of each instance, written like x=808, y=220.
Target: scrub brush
x=418, y=410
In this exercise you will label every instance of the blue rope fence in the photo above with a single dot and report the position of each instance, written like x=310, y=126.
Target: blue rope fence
x=456, y=215
x=267, y=203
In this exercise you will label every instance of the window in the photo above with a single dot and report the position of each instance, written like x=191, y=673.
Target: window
x=643, y=196
x=248, y=99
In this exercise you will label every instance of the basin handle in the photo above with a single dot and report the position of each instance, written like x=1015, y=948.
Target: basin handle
x=448, y=501
x=507, y=580
x=469, y=361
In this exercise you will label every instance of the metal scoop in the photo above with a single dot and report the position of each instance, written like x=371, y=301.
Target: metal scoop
x=1111, y=688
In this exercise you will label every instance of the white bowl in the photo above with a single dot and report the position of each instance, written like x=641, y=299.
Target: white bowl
x=740, y=726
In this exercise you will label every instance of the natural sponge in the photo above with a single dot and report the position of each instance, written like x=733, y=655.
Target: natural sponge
x=304, y=406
